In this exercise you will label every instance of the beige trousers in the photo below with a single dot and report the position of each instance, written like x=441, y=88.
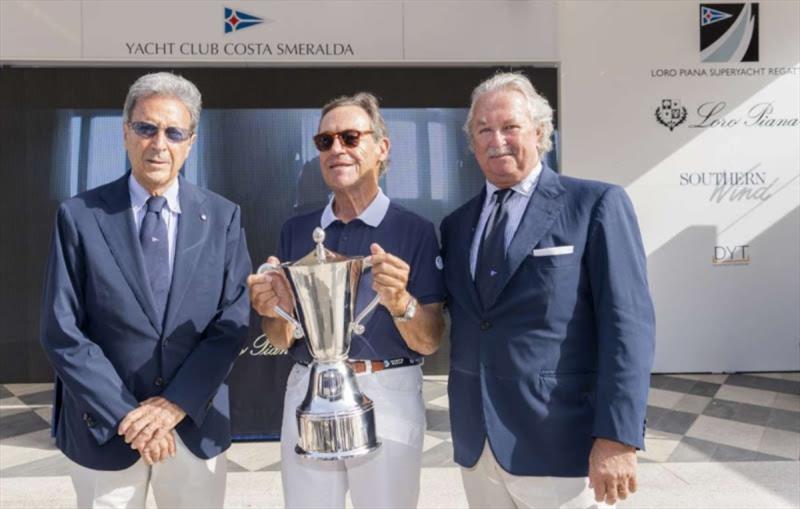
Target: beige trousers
x=184, y=481
x=487, y=485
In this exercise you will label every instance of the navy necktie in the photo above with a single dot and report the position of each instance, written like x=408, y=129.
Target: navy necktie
x=155, y=247
x=492, y=250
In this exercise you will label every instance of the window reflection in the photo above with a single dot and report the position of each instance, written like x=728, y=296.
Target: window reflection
x=264, y=160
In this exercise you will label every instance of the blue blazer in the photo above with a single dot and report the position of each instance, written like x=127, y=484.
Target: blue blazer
x=102, y=335
x=564, y=353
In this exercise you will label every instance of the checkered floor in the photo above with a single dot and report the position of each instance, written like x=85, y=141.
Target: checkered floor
x=742, y=417
x=711, y=419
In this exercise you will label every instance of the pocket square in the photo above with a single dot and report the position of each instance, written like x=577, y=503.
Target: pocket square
x=554, y=251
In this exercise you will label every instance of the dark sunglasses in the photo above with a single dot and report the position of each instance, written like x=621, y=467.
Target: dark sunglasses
x=349, y=137
x=148, y=130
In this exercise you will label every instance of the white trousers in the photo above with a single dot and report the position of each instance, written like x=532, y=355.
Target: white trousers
x=487, y=485
x=184, y=481
x=386, y=478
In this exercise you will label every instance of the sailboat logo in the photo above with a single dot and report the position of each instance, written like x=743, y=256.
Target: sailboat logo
x=729, y=32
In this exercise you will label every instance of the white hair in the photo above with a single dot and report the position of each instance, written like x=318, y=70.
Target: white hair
x=541, y=114
x=166, y=84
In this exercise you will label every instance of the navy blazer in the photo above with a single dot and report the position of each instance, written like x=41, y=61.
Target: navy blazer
x=564, y=353
x=100, y=329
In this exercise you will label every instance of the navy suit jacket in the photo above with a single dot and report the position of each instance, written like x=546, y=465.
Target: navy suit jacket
x=564, y=353
x=101, y=332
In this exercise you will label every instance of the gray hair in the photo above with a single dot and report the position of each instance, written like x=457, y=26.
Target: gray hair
x=369, y=103
x=166, y=84
x=541, y=114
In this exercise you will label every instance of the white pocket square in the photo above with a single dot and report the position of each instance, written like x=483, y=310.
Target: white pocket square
x=554, y=251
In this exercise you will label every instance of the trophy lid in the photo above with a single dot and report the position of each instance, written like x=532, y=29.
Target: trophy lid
x=320, y=254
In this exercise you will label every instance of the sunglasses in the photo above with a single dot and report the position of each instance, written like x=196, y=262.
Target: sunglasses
x=148, y=130
x=349, y=137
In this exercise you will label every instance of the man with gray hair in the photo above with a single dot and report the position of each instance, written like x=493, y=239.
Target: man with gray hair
x=145, y=308
x=552, y=322
x=360, y=220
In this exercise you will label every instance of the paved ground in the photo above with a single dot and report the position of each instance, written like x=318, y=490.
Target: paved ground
x=713, y=441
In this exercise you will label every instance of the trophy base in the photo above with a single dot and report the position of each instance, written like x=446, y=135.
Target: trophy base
x=332, y=456
x=338, y=436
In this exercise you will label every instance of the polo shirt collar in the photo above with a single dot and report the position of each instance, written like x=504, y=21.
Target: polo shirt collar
x=372, y=215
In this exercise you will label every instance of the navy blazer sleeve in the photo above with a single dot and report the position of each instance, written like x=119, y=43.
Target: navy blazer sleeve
x=625, y=319
x=207, y=366
x=79, y=362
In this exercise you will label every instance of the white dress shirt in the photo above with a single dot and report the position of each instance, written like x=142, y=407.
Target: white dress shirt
x=515, y=205
x=169, y=214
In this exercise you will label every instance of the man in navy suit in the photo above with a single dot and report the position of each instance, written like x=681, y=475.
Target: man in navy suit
x=552, y=322
x=145, y=309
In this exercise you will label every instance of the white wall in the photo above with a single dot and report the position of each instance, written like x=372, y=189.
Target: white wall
x=371, y=32
x=711, y=316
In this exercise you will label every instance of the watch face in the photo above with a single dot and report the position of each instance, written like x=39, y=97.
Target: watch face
x=411, y=310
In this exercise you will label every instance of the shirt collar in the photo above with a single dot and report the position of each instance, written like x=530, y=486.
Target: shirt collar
x=372, y=215
x=524, y=188
x=139, y=195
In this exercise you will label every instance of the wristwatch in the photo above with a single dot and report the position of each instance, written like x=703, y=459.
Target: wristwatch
x=411, y=310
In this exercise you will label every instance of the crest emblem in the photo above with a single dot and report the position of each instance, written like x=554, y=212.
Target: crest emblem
x=671, y=113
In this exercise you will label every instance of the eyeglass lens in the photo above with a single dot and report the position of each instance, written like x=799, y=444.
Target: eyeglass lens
x=350, y=138
x=148, y=130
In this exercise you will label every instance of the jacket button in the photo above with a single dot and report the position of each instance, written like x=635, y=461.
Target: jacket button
x=89, y=420
x=486, y=325
x=158, y=381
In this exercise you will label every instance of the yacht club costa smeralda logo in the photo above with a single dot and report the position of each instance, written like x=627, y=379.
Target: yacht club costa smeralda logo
x=234, y=21
x=239, y=20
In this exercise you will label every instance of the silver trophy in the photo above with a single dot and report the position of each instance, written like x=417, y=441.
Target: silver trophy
x=335, y=420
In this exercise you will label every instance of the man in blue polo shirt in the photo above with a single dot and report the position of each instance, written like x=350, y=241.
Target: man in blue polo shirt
x=360, y=220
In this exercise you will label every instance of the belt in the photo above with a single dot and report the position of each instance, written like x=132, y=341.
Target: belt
x=360, y=367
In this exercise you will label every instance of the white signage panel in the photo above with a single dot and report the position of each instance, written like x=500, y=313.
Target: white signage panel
x=40, y=30
x=481, y=31
x=280, y=32
x=693, y=107
x=241, y=32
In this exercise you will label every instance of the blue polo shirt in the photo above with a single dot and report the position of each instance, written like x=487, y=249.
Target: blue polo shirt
x=399, y=232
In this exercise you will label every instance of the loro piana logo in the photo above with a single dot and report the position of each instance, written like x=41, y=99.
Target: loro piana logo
x=671, y=113
x=729, y=32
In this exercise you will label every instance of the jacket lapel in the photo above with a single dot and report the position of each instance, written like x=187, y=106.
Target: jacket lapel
x=116, y=223
x=462, y=243
x=192, y=231
x=542, y=210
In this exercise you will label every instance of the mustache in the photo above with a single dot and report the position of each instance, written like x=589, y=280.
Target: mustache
x=501, y=151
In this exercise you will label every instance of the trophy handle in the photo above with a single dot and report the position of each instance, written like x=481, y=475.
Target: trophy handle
x=355, y=326
x=298, y=329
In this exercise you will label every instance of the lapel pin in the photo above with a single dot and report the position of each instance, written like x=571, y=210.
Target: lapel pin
x=203, y=217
